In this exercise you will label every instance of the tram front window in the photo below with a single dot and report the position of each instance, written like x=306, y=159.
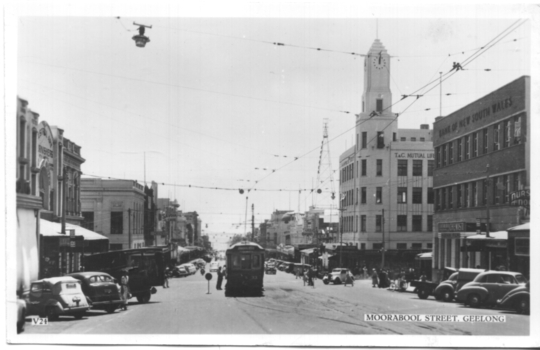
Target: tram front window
x=241, y=261
x=256, y=261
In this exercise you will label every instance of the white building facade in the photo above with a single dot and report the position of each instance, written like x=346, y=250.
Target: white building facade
x=386, y=178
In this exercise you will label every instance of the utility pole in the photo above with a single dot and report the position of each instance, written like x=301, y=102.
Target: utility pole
x=129, y=228
x=383, y=240
x=252, y=222
x=245, y=219
x=440, y=94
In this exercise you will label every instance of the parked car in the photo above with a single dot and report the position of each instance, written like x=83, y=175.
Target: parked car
x=270, y=270
x=199, y=263
x=446, y=290
x=424, y=287
x=518, y=299
x=52, y=297
x=101, y=288
x=180, y=271
x=338, y=276
x=489, y=286
x=214, y=266
x=191, y=269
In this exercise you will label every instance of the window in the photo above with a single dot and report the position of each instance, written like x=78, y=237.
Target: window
x=485, y=140
x=117, y=222
x=377, y=246
x=438, y=156
x=402, y=223
x=430, y=166
x=402, y=167
x=443, y=153
x=451, y=197
x=422, y=139
x=459, y=149
x=364, y=195
x=416, y=246
x=362, y=246
x=484, y=192
x=458, y=196
x=496, y=132
x=378, y=223
x=88, y=221
x=474, y=194
x=494, y=191
x=516, y=182
x=438, y=200
x=417, y=167
x=417, y=223
x=362, y=223
x=506, y=134
x=364, y=139
x=517, y=130
x=379, y=105
x=379, y=167
x=417, y=195
x=401, y=246
x=364, y=167
x=403, y=139
x=379, y=195
x=467, y=147
x=413, y=139
x=394, y=137
x=450, y=153
x=506, y=188
x=380, y=139
x=475, y=145
x=115, y=246
x=430, y=195
x=429, y=245
x=443, y=198
x=430, y=223
x=402, y=194
x=466, y=199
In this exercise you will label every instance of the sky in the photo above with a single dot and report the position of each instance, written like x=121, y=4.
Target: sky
x=211, y=98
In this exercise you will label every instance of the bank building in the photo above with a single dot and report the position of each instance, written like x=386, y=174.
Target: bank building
x=386, y=178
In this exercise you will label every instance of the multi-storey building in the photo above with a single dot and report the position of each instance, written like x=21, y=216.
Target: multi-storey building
x=482, y=178
x=386, y=178
x=29, y=202
x=115, y=208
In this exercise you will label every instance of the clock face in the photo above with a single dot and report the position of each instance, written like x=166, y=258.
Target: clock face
x=379, y=62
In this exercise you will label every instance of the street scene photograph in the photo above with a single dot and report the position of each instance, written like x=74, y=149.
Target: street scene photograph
x=275, y=174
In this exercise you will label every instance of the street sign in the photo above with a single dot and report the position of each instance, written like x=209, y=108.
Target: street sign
x=208, y=276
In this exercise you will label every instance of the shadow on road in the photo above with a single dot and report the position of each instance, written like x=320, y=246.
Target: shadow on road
x=244, y=293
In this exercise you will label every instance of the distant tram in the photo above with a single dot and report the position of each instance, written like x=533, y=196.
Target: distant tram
x=245, y=266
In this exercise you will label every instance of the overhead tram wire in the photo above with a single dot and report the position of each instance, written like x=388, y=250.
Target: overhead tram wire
x=438, y=82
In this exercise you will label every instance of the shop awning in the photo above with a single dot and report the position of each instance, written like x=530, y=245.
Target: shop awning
x=425, y=256
x=307, y=251
x=492, y=235
x=523, y=227
x=182, y=250
x=48, y=228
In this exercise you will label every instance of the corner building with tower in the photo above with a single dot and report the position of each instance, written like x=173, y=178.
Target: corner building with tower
x=386, y=178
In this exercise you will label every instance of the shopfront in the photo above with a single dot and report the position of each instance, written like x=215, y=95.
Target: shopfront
x=518, y=249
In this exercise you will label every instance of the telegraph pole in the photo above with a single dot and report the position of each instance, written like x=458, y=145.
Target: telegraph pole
x=252, y=222
x=383, y=240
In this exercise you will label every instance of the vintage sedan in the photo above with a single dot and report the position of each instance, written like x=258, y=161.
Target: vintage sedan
x=180, y=271
x=102, y=290
x=338, y=276
x=518, y=299
x=52, y=297
x=488, y=287
x=446, y=290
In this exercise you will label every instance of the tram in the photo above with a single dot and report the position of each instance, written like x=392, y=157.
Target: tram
x=245, y=267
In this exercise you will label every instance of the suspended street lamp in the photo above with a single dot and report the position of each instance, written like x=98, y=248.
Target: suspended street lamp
x=141, y=39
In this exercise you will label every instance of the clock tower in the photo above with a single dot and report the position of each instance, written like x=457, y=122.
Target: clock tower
x=376, y=114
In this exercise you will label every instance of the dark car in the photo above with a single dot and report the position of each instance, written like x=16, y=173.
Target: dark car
x=102, y=290
x=489, y=286
x=52, y=297
x=446, y=290
x=270, y=270
x=518, y=299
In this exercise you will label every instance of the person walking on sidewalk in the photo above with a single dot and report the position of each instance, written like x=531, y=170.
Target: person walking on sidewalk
x=124, y=281
x=219, y=278
x=166, y=278
x=375, y=278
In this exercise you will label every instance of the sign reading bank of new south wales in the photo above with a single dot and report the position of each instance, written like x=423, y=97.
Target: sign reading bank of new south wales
x=414, y=155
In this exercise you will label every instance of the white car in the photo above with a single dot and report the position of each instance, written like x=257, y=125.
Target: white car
x=338, y=276
x=191, y=269
x=214, y=266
